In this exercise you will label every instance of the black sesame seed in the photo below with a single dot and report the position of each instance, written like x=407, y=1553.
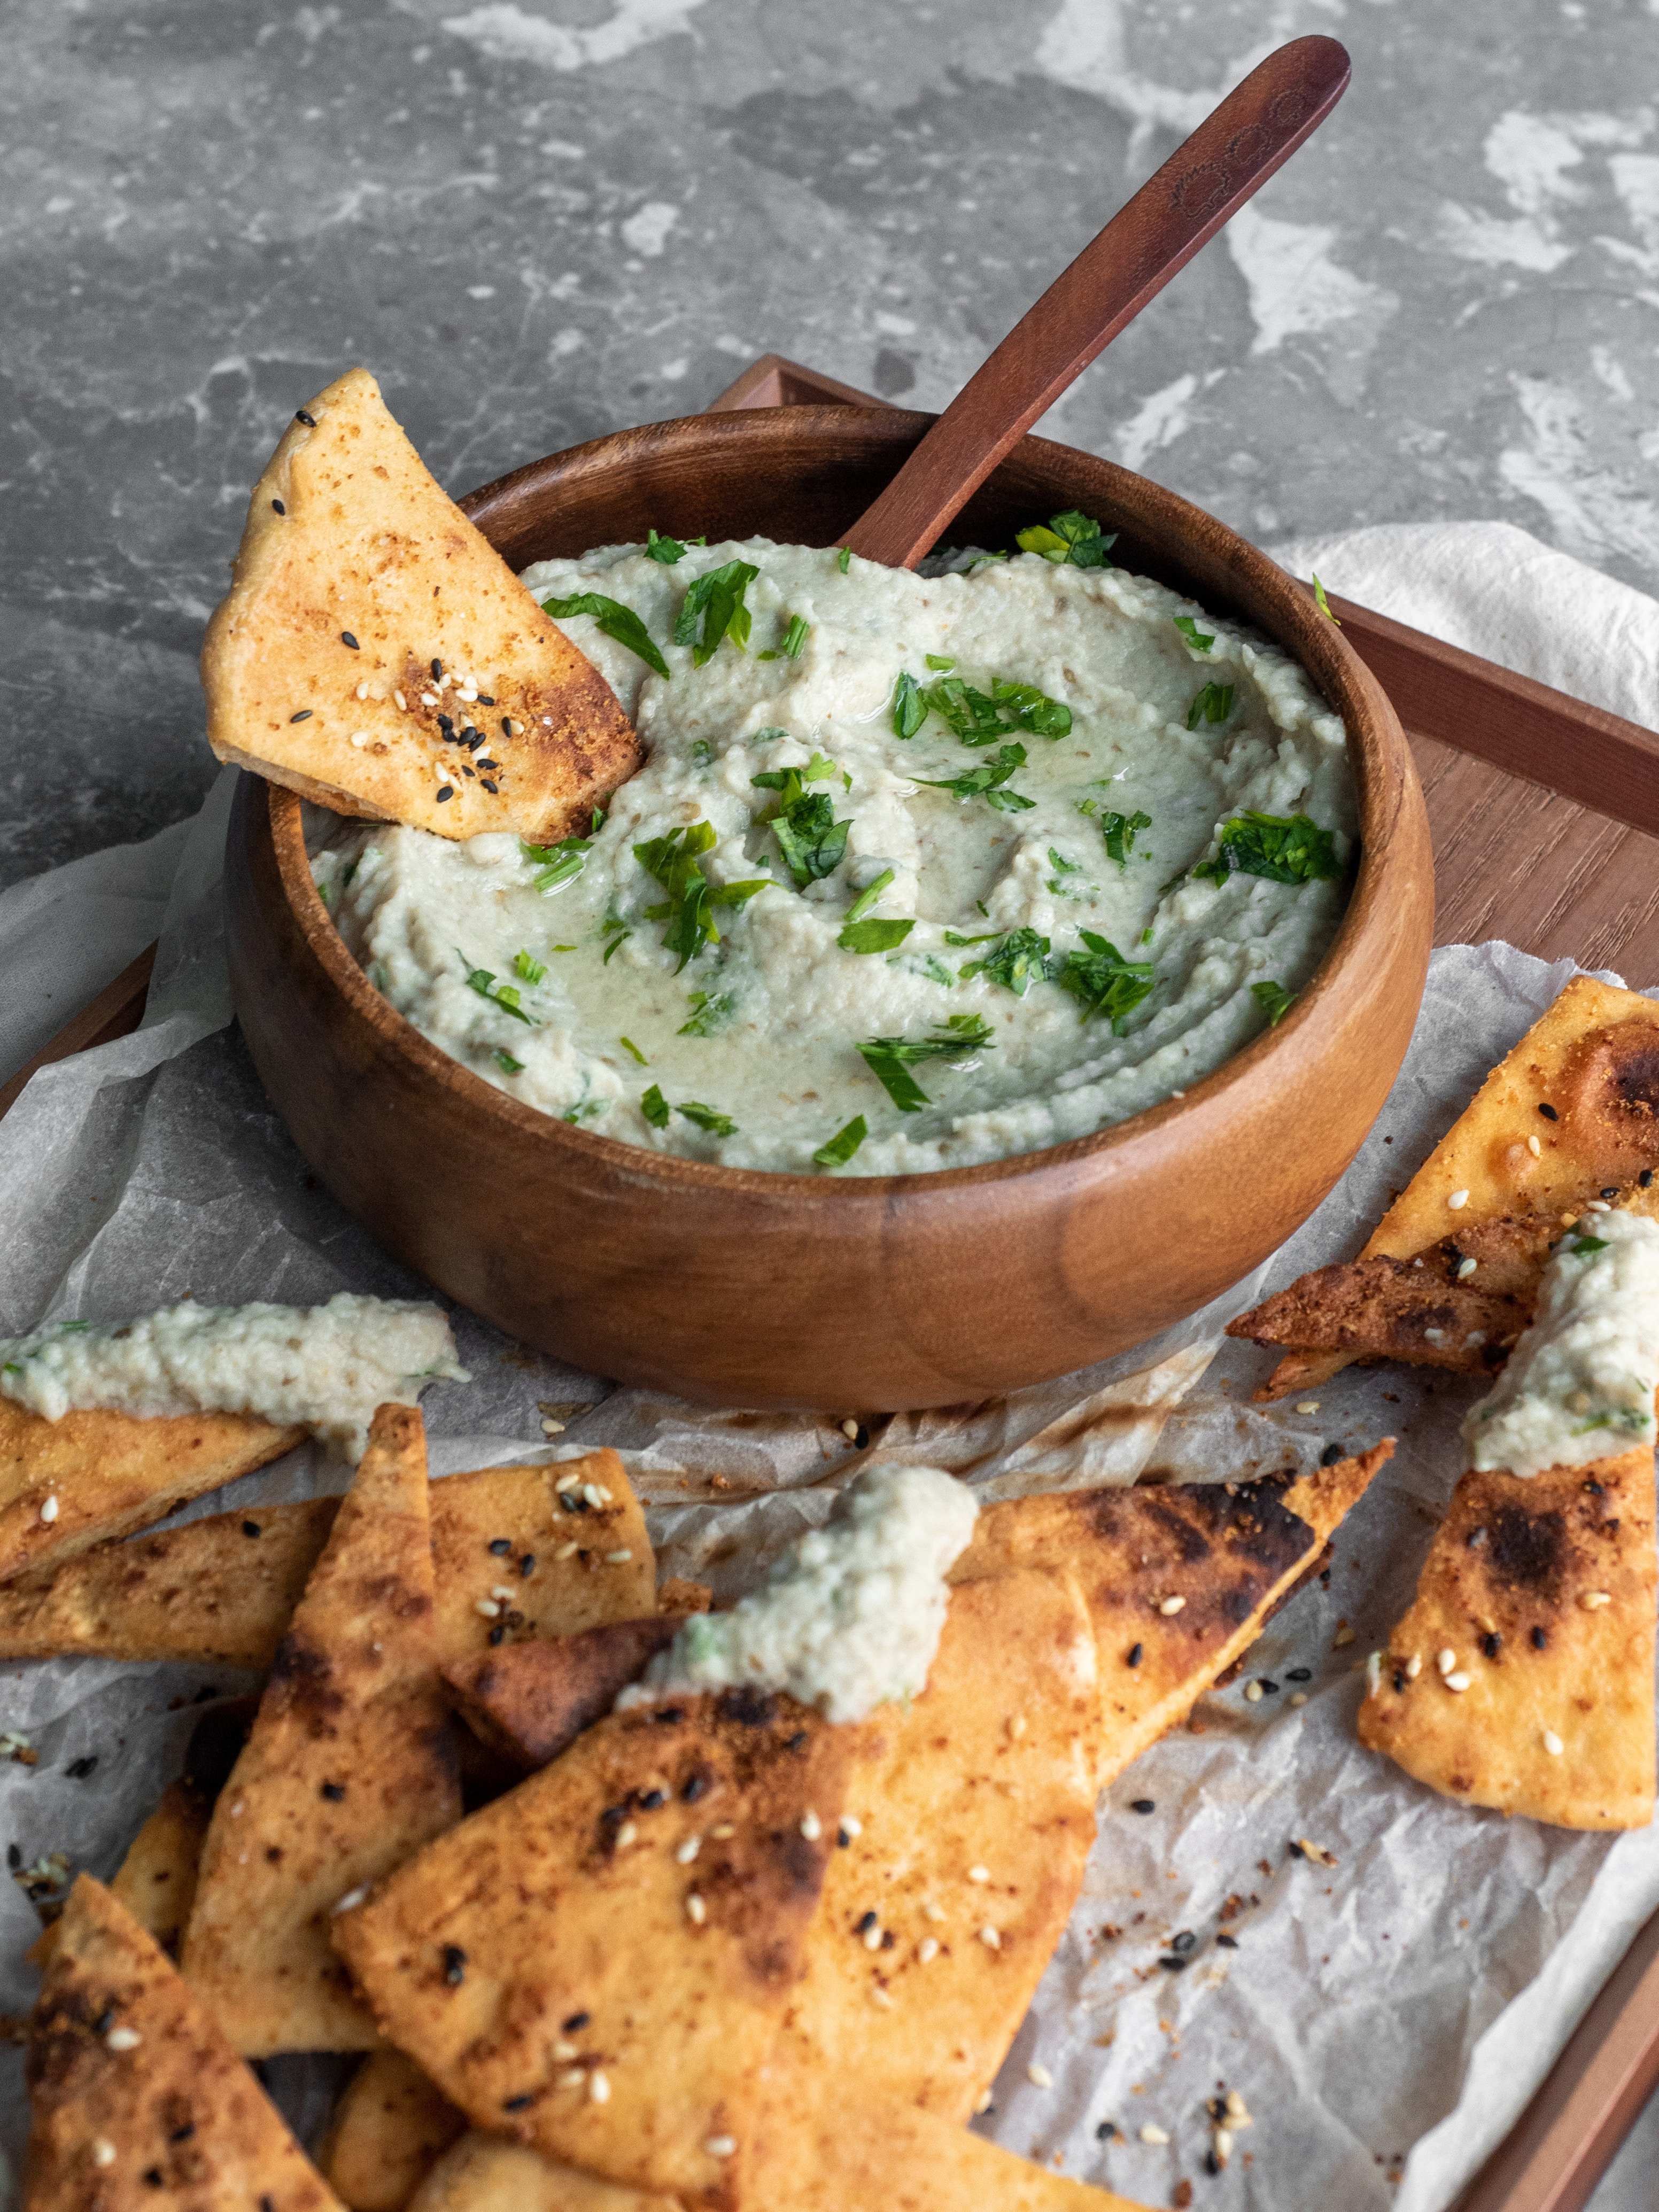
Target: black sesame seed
x=573, y=1501
x=1330, y=1455
x=577, y=2021
x=485, y=701
x=78, y=1769
x=1611, y=1191
x=1298, y=1674
x=498, y=1633
x=1596, y=1490
x=334, y=1791
x=1549, y=1112
x=1174, y=1966
x=798, y=1742
x=865, y=1924
x=1269, y=1689
x=652, y=1799
x=470, y=774
x=310, y=421
x=446, y=724
x=694, y=1788
x=1646, y=1178
x=1143, y=1805
x=1540, y=1637
x=455, y=1965
x=507, y=725
x=346, y=638
x=472, y=736
x=183, y=2134
x=486, y=785
x=1105, y=2132
x=1228, y=1942
x=1136, y=1652
x=500, y=1546
x=252, y=1528
x=304, y=715
x=527, y=1564
x=267, y=2203
x=1398, y=1683
x=13, y=1857
x=510, y=2105
x=1492, y=1645
x=1184, y=1942
x=489, y=763
x=278, y=506
x=154, y=2178
x=842, y=1838
x=1211, y=2161
x=437, y=669
x=1296, y=1851
x=613, y=1816
x=1476, y=1536
x=105, y=2022
x=446, y=791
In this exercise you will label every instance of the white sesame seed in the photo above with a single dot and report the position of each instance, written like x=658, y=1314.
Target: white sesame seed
x=564, y=2051
x=1016, y=1726
x=573, y=2080
x=1149, y=2134
x=721, y=1832
x=1593, y=1601
x=501, y=1591
x=1253, y=1693
x=103, y=2151
x=851, y=1824
x=1039, y=2077
x=688, y=1850
x=487, y=1606
x=606, y=1497
x=933, y=1912
x=1309, y=1405
x=360, y=739
x=362, y=688
x=1457, y=1200
x=49, y=1510
x=879, y=1996
x=850, y=1428
x=1373, y=1673
x=1552, y=1743
x=722, y=2146
x=979, y=1873
x=402, y=703
x=1466, y=1268
x=1435, y=1335
x=568, y=1551
x=1598, y=1205
x=872, y=1937
x=1237, y=2110
x=1458, y=1681
x=552, y=1428
x=429, y=698
x=1298, y=1698
x=626, y=1834
x=695, y=1910
x=1446, y=1660
x=991, y=1938
x=811, y=1827
x=123, y=2039
x=566, y=1482
x=352, y=1899
x=1222, y=2144
x=1343, y=1635
x=1170, y=1606
x=1535, y=1148
x=927, y=1950
x=618, y=1558
x=1413, y=1666
x=593, y=1493
x=981, y=2104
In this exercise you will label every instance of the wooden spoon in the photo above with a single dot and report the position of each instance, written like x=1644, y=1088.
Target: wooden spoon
x=1257, y=127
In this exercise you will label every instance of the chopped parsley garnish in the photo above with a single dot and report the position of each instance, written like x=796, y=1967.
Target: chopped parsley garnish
x=703, y=752
x=1322, y=603
x=842, y=1146
x=1274, y=1000
x=941, y=661
x=708, y=1117
x=482, y=981
x=633, y=1051
x=1058, y=861
x=843, y=559
x=1119, y=831
x=986, y=782
x=1018, y=962
x=1213, y=704
x=867, y=897
x=614, y=619
x=1023, y=706
x=616, y=929
x=506, y=1064
x=1193, y=635
x=713, y=609
x=985, y=938
x=977, y=720
x=1069, y=537
x=873, y=936
x=558, y=864
x=984, y=560
x=769, y=735
x=527, y=968
x=795, y=637
x=1281, y=849
x=891, y=1059
x=710, y=1011
x=1106, y=982
x=814, y=843
x=668, y=550
x=655, y=1107
x=1586, y=1245
x=910, y=712
x=672, y=861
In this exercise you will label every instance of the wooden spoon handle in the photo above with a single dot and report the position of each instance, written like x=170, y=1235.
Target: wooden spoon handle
x=1257, y=127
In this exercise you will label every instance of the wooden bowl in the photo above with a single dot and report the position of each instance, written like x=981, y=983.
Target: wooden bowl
x=746, y=1289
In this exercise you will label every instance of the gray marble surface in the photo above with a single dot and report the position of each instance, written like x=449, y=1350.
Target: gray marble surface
x=539, y=219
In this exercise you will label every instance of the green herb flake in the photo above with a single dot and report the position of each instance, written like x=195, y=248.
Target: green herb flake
x=844, y=559
x=713, y=609
x=984, y=561
x=873, y=936
x=842, y=1146
x=708, y=1117
x=1584, y=1246
x=1322, y=603
x=985, y=938
x=667, y=550
x=614, y=619
x=971, y=715
x=795, y=637
x=482, y=981
x=1024, y=706
x=673, y=862
x=527, y=968
x=1193, y=635
x=1281, y=848
x=1120, y=832
x=1074, y=537
x=813, y=843
x=1213, y=704
x=633, y=1051
x=867, y=897
x=556, y=865
x=655, y=1107
x=615, y=943
x=703, y=752
x=506, y=1064
x=1018, y=962
x=909, y=708
x=709, y=1011
x=941, y=661
x=986, y=780
x=1274, y=1000
x=890, y=1059
x=1106, y=982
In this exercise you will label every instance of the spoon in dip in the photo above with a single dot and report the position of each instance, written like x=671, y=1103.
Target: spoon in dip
x=1256, y=128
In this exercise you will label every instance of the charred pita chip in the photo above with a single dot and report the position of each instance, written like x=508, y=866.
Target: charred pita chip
x=1541, y=1590
x=1571, y=1114
x=1459, y=1305
x=66, y=1485
x=554, y=1549
x=224, y=1589
x=138, y=2097
x=376, y=652
x=485, y=2174
x=597, y=1963
x=532, y=1700
x=1179, y=1578
x=348, y=1769
x=389, y=2129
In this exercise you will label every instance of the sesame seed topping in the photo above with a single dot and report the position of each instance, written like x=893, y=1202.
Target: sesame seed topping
x=688, y=1850
x=695, y=1910
x=49, y=1510
x=722, y=2146
x=927, y=1950
x=1534, y=1147
x=872, y=1935
x=402, y=703
x=1593, y=1601
x=811, y=1827
x=1143, y=1805
x=304, y=715
x=1458, y=1199
x=1039, y=2077
x=103, y=2150
x=991, y=1938
x=352, y=1899
x=626, y=1834
x=1136, y=1652
x=1466, y=1268
x=562, y=2049
x=1253, y=1693
x=568, y=1551
x=1298, y=1698
x=618, y=1558
x=487, y=1606
x=573, y=2080
x=445, y=791
x=851, y=1826
x=123, y=2039
x=1155, y=2135
x=1552, y=1743
x=932, y=1910
x=1458, y=1681
x=346, y=638
x=722, y=1833
x=1309, y=1405
x=981, y=2104
x=278, y=508
x=310, y=421
x=437, y=669
x=879, y=1996
x=1414, y=1667
x=455, y=1965
x=1170, y=1606
x=1446, y=1660
x=979, y=1873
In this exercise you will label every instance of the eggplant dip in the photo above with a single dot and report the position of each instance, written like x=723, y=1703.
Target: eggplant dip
x=922, y=869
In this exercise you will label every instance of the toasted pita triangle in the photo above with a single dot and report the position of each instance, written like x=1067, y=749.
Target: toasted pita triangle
x=349, y=537
x=546, y=1943
x=1593, y=1059
x=348, y=1770
x=110, y=1472
x=1231, y=1551
x=531, y=1701
x=176, y=2102
x=1551, y=1542
x=482, y=2173
x=389, y=2129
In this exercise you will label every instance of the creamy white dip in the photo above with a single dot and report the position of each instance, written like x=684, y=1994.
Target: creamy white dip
x=328, y=1366
x=1580, y=1383
x=850, y=1617
x=554, y=978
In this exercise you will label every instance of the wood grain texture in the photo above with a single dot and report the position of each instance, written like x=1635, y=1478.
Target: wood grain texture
x=1154, y=236
x=115, y=1013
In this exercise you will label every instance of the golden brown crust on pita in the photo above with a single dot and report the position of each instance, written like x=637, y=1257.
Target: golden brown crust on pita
x=389, y=2129
x=1514, y=1560
x=548, y=1938
x=112, y=1473
x=678, y=1593
x=485, y=2174
x=531, y=1701
x=350, y=1767
x=349, y=537
x=190, y=2127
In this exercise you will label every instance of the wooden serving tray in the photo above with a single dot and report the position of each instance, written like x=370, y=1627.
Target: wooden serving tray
x=1545, y=816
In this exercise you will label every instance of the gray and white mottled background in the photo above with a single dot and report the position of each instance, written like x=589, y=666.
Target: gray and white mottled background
x=540, y=220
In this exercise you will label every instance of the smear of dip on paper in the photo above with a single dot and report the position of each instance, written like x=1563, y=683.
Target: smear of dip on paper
x=328, y=1366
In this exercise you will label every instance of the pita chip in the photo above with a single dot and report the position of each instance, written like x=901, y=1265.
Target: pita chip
x=1571, y=1114
x=389, y=2129
x=1179, y=1578
x=138, y=2099
x=67, y=1485
x=483, y=2174
x=1541, y=1590
x=597, y=1963
x=365, y=611
x=222, y=1590
x=531, y=1701
x=349, y=1768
